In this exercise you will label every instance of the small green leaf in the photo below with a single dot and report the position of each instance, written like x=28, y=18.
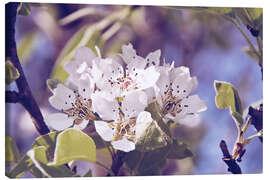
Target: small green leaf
x=12, y=154
x=52, y=83
x=12, y=73
x=227, y=97
x=24, y=9
x=179, y=150
x=26, y=46
x=73, y=144
x=250, y=53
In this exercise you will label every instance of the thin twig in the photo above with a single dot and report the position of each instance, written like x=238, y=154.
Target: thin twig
x=256, y=118
x=25, y=94
x=233, y=167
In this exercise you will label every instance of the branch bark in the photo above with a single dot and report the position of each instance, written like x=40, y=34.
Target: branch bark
x=118, y=162
x=257, y=118
x=233, y=167
x=25, y=94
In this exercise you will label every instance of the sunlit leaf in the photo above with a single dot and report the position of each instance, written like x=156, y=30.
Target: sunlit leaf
x=11, y=73
x=12, y=154
x=227, y=97
x=73, y=144
x=26, y=46
x=24, y=9
x=39, y=158
x=179, y=150
x=24, y=165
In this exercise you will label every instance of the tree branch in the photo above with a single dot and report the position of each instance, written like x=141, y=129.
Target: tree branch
x=257, y=118
x=118, y=162
x=25, y=94
x=12, y=97
x=233, y=167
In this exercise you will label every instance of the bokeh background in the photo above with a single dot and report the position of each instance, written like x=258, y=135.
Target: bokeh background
x=209, y=45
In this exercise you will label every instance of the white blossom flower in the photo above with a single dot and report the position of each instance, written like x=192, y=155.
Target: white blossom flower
x=139, y=73
x=121, y=117
x=75, y=105
x=173, y=93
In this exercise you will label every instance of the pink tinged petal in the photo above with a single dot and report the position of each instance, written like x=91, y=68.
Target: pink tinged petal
x=105, y=105
x=84, y=54
x=59, y=121
x=134, y=103
x=124, y=145
x=153, y=58
x=182, y=86
x=86, y=86
x=62, y=98
x=147, y=78
x=82, y=125
x=104, y=130
x=143, y=121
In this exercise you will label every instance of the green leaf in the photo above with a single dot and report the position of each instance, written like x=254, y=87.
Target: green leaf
x=52, y=83
x=151, y=163
x=48, y=141
x=39, y=158
x=24, y=165
x=227, y=97
x=11, y=73
x=24, y=9
x=250, y=53
x=12, y=154
x=157, y=134
x=26, y=46
x=179, y=150
x=73, y=144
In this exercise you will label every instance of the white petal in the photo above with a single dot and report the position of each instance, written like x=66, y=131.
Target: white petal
x=151, y=94
x=106, y=106
x=104, y=130
x=84, y=54
x=136, y=66
x=128, y=53
x=163, y=83
x=152, y=58
x=144, y=119
x=147, y=78
x=62, y=98
x=124, y=145
x=182, y=86
x=59, y=121
x=190, y=120
x=192, y=104
x=86, y=86
x=195, y=83
x=134, y=103
x=111, y=69
x=82, y=125
x=179, y=71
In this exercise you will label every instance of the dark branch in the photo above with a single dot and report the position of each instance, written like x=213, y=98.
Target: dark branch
x=26, y=98
x=12, y=97
x=233, y=167
x=118, y=162
x=257, y=118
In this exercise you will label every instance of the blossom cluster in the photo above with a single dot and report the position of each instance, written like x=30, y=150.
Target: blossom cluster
x=113, y=95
